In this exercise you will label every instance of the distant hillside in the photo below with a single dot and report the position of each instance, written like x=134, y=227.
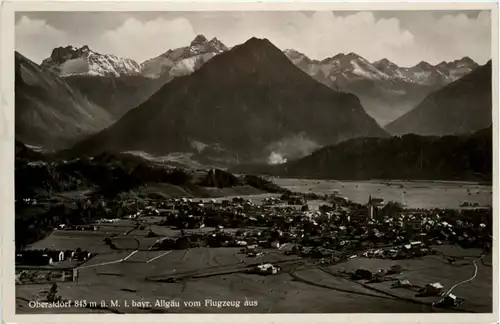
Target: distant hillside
x=111, y=175
x=462, y=106
x=116, y=94
x=22, y=152
x=407, y=157
x=49, y=112
x=242, y=104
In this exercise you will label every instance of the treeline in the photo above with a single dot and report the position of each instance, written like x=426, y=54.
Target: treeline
x=406, y=157
x=109, y=174
x=411, y=157
x=34, y=222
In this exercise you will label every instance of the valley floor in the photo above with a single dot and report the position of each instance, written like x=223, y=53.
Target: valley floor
x=415, y=194
x=133, y=273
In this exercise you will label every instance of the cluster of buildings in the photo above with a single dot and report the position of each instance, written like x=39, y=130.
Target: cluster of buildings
x=336, y=226
x=377, y=228
x=48, y=257
x=76, y=227
x=27, y=201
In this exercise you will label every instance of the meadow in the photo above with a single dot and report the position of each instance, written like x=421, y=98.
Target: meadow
x=415, y=194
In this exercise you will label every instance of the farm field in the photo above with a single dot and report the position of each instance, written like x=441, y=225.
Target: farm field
x=478, y=293
x=134, y=273
x=416, y=194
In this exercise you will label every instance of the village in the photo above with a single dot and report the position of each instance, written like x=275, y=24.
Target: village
x=268, y=237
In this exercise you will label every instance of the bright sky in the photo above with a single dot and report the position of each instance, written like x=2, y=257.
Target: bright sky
x=404, y=37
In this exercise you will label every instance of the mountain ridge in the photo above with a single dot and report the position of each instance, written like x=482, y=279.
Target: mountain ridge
x=386, y=90
x=49, y=112
x=102, y=81
x=257, y=91
x=183, y=60
x=71, y=60
x=412, y=157
x=462, y=106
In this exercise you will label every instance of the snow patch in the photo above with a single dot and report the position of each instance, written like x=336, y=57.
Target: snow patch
x=75, y=66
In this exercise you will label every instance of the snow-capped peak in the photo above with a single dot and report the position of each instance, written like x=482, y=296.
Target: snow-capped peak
x=198, y=40
x=385, y=64
x=217, y=44
x=71, y=60
x=201, y=45
x=423, y=65
x=392, y=70
x=464, y=62
x=183, y=60
x=296, y=57
x=291, y=51
x=352, y=67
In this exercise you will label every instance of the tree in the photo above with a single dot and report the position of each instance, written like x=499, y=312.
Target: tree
x=392, y=208
x=52, y=295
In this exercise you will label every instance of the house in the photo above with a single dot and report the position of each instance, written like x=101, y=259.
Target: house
x=266, y=269
x=415, y=245
x=241, y=243
x=449, y=300
x=39, y=257
x=362, y=274
x=275, y=245
x=69, y=254
x=19, y=258
x=43, y=260
x=57, y=256
x=82, y=255
x=252, y=247
x=238, y=200
x=296, y=200
x=402, y=284
x=165, y=243
x=422, y=237
x=432, y=289
x=395, y=269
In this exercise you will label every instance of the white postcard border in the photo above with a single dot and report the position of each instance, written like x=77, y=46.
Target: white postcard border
x=7, y=270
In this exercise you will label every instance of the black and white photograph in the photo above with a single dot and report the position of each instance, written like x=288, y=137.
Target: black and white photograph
x=253, y=162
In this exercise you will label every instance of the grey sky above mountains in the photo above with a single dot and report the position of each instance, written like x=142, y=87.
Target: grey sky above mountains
x=404, y=37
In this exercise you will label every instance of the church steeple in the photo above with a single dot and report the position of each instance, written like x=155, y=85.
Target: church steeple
x=371, y=209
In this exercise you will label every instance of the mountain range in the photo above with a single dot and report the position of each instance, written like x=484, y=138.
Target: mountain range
x=386, y=90
x=120, y=84
x=290, y=109
x=49, y=111
x=462, y=106
x=249, y=101
x=73, y=61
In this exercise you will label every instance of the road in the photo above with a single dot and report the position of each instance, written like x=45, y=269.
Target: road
x=109, y=262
